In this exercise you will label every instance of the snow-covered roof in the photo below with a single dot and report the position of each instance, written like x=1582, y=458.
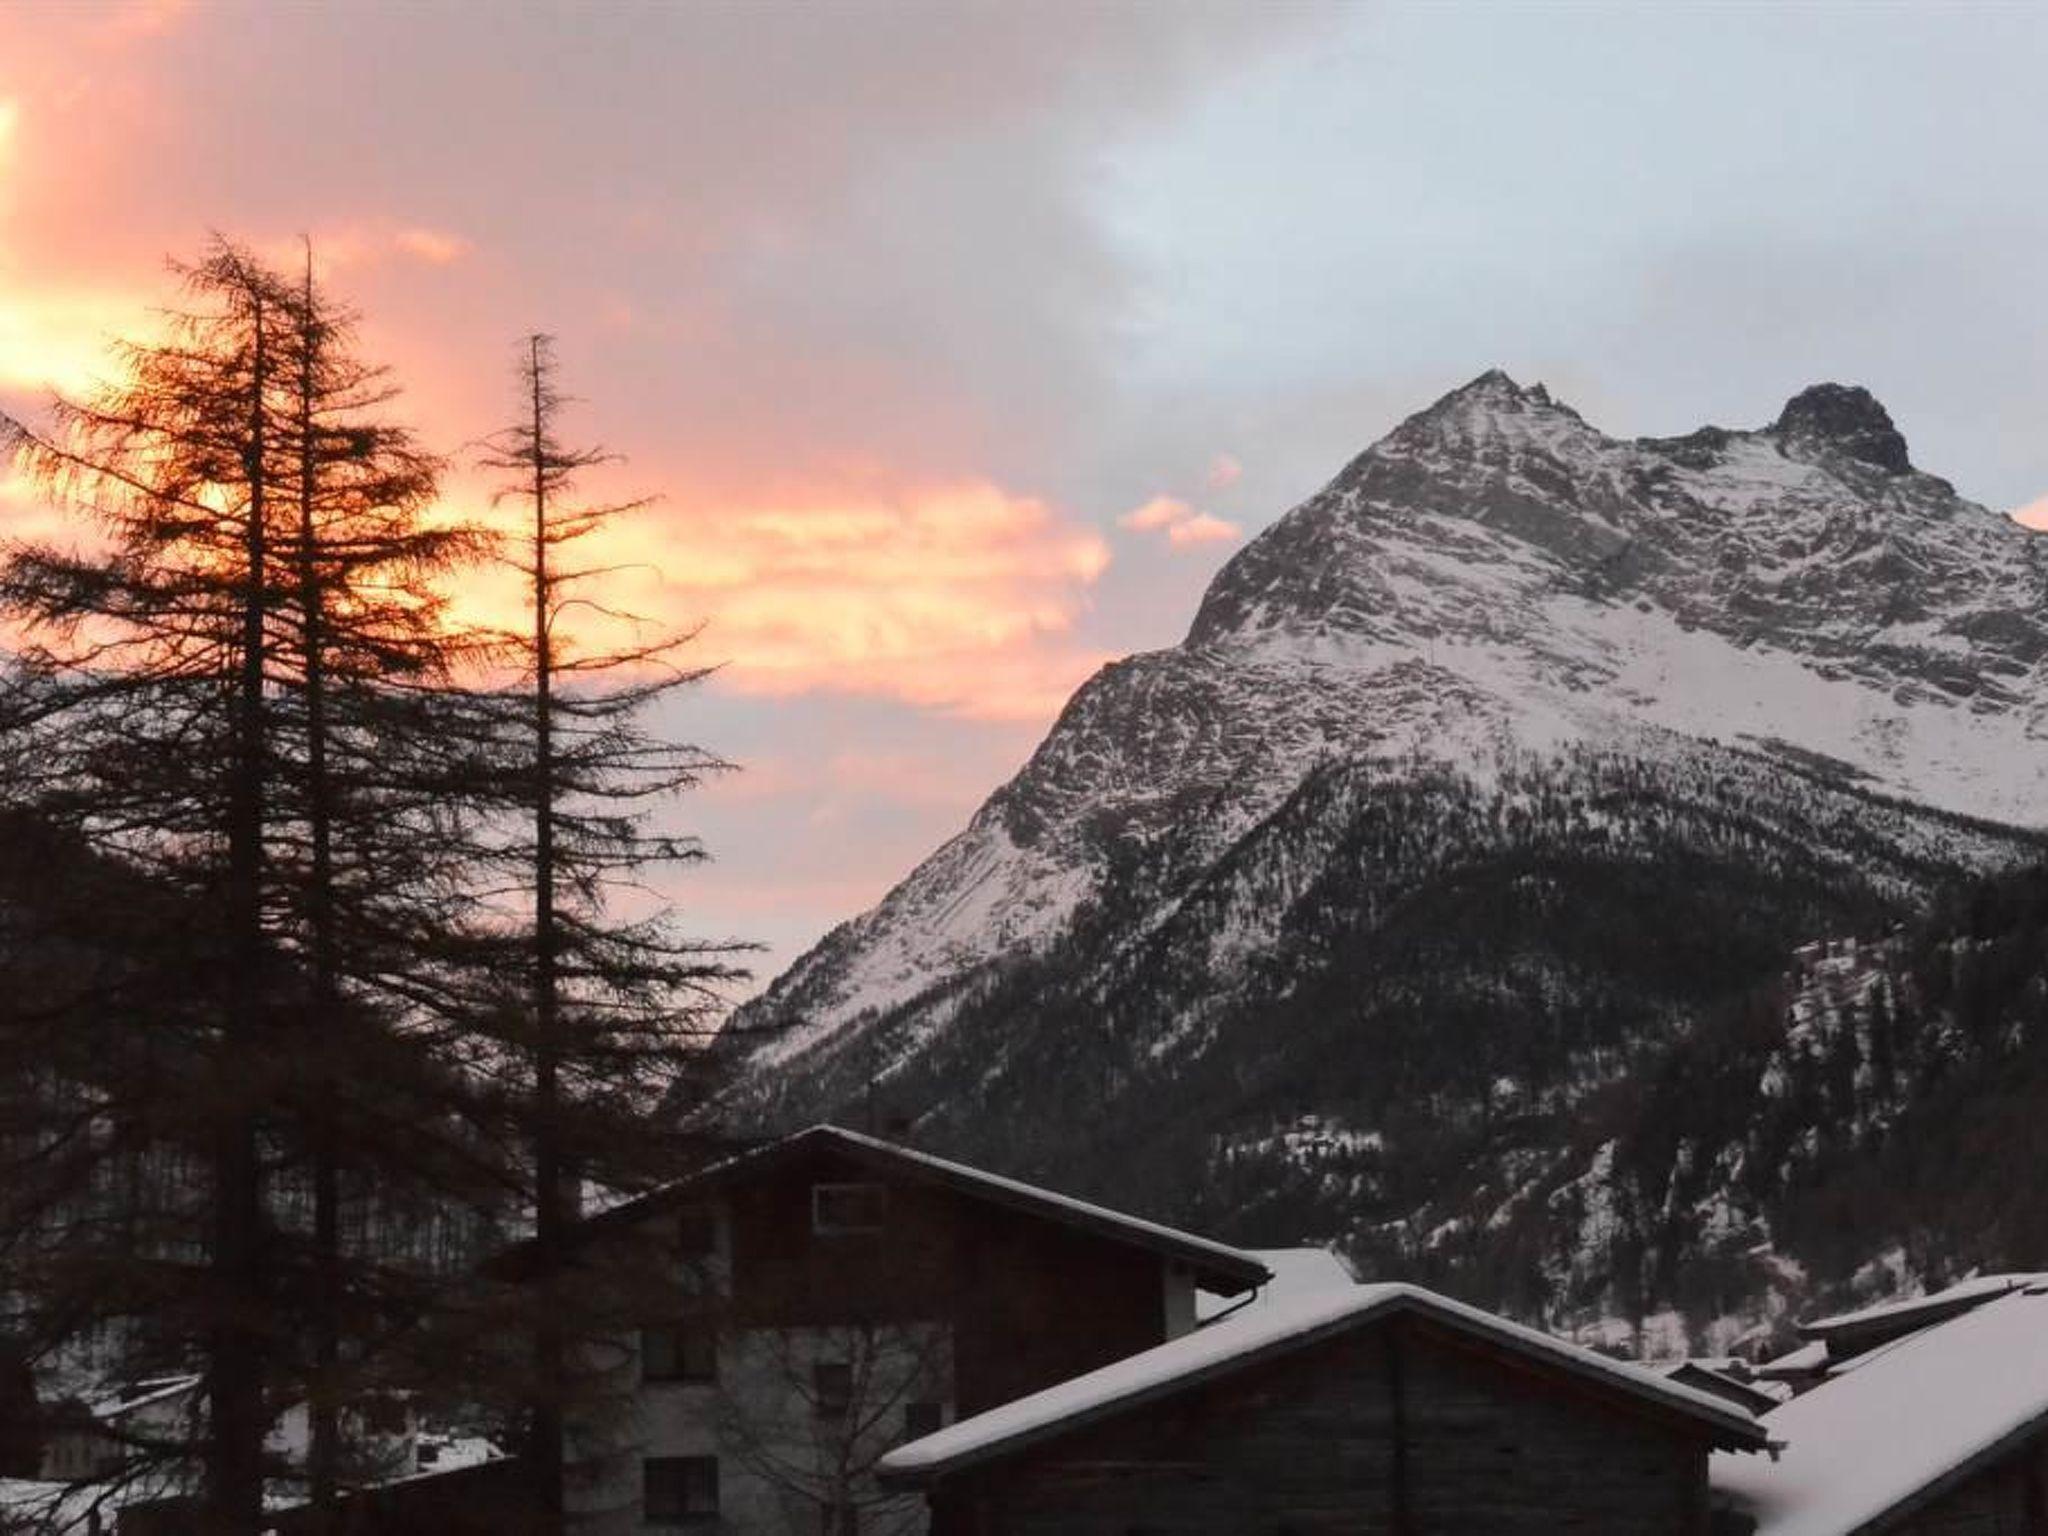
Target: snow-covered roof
x=1915, y=1417
x=1266, y=1331
x=124, y=1401
x=1296, y=1272
x=1216, y=1266
x=1913, y=1311
x=1725, y=1379
x=1803, y=1361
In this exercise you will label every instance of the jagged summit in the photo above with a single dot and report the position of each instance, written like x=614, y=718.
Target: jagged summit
x=1492, y=396
x=1848, y=418
x=1494, y=384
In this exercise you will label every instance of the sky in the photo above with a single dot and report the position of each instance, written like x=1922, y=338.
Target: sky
x=962, y=343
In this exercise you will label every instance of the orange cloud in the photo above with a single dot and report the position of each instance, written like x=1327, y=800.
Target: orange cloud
x=1201, y=529
x=958, y=596
x=1181, y=523
x=2034, y=514
x=57, y=338
x=431, y=245
x=1159, y=512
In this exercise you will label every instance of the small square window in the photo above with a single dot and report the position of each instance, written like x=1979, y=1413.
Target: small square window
x=832, y=1388
x=842, y=1209
x=679, y=1352
x=921, y=1419
x=696, y=1232
x=679, y=1490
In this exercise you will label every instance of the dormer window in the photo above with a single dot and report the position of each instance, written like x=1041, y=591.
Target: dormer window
x=844, y=1210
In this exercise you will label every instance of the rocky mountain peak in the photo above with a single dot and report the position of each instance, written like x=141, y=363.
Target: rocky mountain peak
x=1849, y=419
x=1492, y=391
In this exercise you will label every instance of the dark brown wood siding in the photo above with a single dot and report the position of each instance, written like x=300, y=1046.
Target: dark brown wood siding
x=1031, y=1302
x=2009, y=1497
x=1384, y=1429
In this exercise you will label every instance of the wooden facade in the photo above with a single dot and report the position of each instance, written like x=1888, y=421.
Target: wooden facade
x=937, y=1291
x=1401, y=1426
x=1004, y=1281
x=2005, y=1496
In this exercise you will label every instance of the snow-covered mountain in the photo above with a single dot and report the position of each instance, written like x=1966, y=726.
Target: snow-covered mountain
x=1482, y=773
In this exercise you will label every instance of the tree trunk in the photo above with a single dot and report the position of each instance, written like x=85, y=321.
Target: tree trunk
x=236, y=1425
x=551, y=1175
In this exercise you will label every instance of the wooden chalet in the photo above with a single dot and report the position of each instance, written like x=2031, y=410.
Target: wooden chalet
x=1931, y=1420
x=826, y=1297
x=1384, y=1409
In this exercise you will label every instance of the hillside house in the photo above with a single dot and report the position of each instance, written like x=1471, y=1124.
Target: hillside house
x=1931, y=1418
x=96, y=1439
x=1384, y=1408
x=158, y=1422
x=831, y=1295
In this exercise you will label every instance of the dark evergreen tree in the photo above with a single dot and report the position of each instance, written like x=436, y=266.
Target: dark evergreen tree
x=230, y=709
x=612, y=1010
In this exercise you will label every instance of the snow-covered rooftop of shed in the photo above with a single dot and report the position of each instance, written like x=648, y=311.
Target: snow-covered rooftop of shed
x=1802, y=1361
x=1962, y=1293
x=1297, y=1272
x=1265, y=1331
x=125, y=1400
x=1916, y=1416
x=1728, y=1377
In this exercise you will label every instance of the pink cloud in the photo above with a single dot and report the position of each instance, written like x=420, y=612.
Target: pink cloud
x=2034, y=514
x=958, y=596
x=431, y=245
x=1159, y=512
x=1224, y=472
x=1202, y=529
x=1181, y=523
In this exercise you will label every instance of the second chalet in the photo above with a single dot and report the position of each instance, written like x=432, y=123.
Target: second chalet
x=833, y=1296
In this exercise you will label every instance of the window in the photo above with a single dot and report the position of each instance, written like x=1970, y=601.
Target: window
x=696, y=1232
x=841, y=1209
x=679, y=1490
x=679, y=1352
x=832, y=1388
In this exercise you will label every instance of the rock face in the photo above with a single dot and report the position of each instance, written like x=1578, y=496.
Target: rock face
x=1851, y=420
x=1480, y=778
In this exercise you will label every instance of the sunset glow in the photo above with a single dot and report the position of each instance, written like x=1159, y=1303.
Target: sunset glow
x=958, y=359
